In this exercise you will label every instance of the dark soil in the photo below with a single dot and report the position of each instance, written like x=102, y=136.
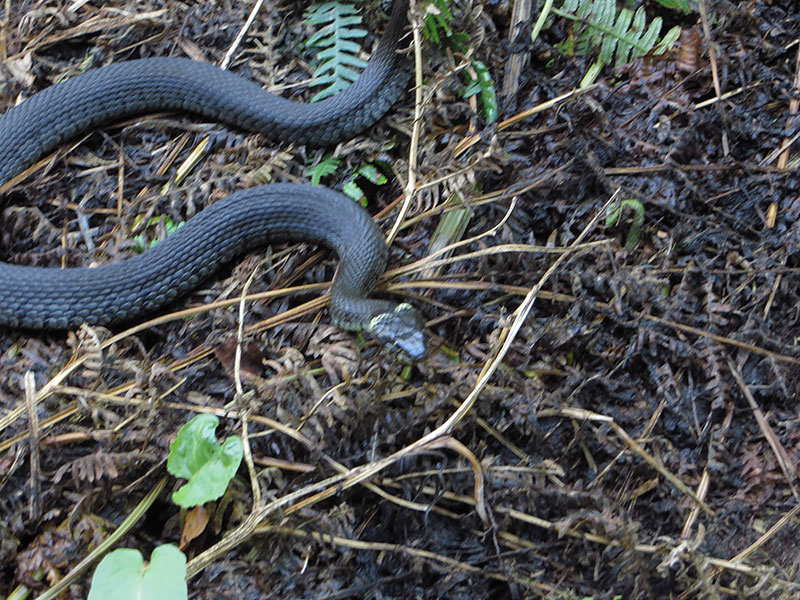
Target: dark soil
x=639, y=439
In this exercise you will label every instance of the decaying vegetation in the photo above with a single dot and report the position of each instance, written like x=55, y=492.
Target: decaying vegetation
x=596, y=418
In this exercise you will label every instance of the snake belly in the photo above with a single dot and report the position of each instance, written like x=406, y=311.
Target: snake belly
x=52, y=299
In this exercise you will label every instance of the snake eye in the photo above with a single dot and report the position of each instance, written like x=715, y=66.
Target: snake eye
x=403, y=328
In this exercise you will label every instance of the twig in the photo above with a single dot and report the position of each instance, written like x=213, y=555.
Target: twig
x=240, y=36
x=35, y=504
x=416, y=129
x=784, y=460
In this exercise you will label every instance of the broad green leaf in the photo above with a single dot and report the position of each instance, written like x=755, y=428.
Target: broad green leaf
x=197, y=456
x=122, y=575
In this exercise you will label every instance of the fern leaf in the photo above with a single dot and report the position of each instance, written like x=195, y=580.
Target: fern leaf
x=649, y=39
x=617, y=42
x=620, y=34
x=668, y=41
x=437, y=21
x=570, y=6
x=326, y=166
x=339, y=64
x=477, y=80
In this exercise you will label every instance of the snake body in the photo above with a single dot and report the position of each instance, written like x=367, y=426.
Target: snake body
x=50, y=298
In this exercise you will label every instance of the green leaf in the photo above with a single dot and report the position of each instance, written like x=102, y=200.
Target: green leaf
x=482, y=84
x=592, y=74
x=339, y=64
x=326, y=166
x=371, y=173
x=450, y=354
x=616, y=35
x=681, y=5
x=614, y=214
x=437, y=21
x=122, y=575
x=368, y=171
x=437, y=28
x=352, y=190
x=668, y=41
x=140, y=242
x=197, y=456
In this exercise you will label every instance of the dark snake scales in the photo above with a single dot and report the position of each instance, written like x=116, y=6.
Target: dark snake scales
x=51, y=298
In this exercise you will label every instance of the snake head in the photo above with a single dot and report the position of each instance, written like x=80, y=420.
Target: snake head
x=402, y=328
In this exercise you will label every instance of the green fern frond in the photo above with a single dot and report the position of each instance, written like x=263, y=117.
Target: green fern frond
x=620, y=34
x=340, y=66
x=352, y=186
x=326, y=166
x=437, y=27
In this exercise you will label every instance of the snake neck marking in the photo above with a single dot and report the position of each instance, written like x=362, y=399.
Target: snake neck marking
x=402, y=328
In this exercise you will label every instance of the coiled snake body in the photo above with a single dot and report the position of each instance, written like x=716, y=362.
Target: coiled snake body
x=51, y=298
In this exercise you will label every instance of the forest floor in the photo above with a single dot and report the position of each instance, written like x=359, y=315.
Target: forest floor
x=598, y=416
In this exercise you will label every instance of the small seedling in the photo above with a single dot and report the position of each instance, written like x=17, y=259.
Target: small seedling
x=615, y=214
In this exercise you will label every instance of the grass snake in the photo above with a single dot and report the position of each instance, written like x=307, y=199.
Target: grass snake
x=43, y=298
